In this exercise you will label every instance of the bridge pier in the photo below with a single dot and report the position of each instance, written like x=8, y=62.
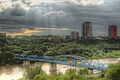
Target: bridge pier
x=38, y=64
x=26, y=63
x=53, y=69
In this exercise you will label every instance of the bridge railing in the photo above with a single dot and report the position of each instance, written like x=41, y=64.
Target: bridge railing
x=66, y=60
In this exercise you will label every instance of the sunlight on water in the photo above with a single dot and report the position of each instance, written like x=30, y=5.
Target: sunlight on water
x=11, y=72
x=14, y=72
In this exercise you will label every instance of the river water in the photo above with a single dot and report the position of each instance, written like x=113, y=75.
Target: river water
x=14, y=72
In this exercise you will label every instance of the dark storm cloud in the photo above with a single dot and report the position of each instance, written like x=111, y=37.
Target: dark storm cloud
x=18, y=12
x=63, y=14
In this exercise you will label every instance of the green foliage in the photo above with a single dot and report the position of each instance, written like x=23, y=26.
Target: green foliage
x=54, y=45
x=42, y=77
x=33, y=72
x=38, y=74
x=71, y=71
x=113, y=72
x=22, y=79
x=83, y=71
x=62, y=77
x=6, y=58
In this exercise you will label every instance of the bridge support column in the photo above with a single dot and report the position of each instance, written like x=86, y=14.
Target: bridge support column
x=38, y=64
x=26, y=63
x=53, y=69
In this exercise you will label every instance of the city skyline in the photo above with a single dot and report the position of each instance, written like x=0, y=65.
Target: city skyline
x=86, y=32
x=51, y=15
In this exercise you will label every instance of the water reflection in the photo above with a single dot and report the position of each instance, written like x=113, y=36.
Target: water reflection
x=14, y=72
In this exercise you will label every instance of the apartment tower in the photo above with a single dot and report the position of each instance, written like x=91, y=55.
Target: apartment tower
x=112, y=31
x=87, y=30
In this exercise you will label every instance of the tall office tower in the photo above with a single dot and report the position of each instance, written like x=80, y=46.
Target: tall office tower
x=112, y=31
x=74, y=35
x=87, y=30
x=3, y=34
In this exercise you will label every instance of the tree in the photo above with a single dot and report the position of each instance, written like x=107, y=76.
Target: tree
x=42, y=77
x=34, y=72
x=22, y=79
x=113, y=72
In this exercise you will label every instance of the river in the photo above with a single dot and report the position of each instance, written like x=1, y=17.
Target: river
x=14, y=72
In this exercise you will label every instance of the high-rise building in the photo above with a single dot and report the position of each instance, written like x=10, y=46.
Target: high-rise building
x=3, y=34
x=74, y=35
x=87, y=30
x=112, y=31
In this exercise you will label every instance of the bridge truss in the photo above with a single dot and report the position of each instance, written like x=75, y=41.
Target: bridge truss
x=65, y=60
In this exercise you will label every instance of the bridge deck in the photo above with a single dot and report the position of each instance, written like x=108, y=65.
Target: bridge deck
x=65, y=60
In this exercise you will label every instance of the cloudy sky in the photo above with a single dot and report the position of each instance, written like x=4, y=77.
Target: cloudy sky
x=58, y=17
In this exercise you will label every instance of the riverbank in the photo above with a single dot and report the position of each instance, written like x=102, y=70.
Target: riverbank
x=110, y=74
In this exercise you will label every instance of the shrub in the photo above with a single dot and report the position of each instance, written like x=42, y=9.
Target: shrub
x=113, y=72
x=34, y=72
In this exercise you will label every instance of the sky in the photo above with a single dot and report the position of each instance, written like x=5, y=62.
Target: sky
x=57, y=17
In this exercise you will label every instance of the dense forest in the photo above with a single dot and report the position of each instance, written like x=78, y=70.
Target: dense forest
x=55, y=45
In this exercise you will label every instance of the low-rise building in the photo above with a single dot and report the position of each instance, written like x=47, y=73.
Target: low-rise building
x=74, y=35
x=3, y=34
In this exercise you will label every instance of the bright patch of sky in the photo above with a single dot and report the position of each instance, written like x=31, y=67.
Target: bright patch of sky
x=9, y=4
